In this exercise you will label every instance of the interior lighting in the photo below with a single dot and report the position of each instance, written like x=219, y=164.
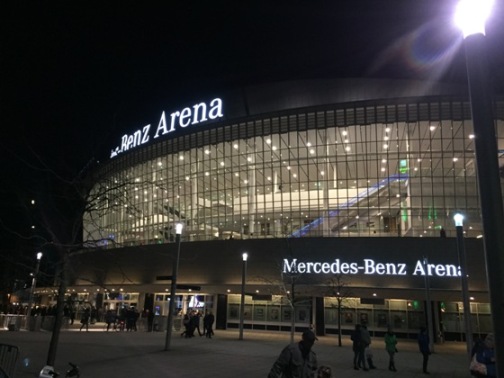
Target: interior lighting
x=181, y=157
x=235, y=146
x=432, y=128
x=207, y=152
x=347, y=148
x=471, y=136
x=268, y=141
x=455, y=159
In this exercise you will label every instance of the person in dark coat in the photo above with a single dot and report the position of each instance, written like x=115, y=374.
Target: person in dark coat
x=358, y=348
x=297, y=359
x=86, y=315
x=208, y=321
x=423, y=345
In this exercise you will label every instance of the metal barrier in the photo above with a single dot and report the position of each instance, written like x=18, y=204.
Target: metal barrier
x=12, y=322
x=9, y=355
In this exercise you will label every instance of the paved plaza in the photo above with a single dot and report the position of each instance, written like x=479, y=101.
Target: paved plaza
x=102, y=354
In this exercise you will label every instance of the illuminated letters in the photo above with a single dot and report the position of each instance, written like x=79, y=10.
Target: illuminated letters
x=368, y=267
x=188, y=116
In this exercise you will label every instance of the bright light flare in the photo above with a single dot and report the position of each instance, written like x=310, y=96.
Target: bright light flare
x=471, y=16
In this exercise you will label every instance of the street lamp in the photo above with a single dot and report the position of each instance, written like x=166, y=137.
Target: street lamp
x=471, y=17
x=242, y=303
x=32, y=290
x=459, y=225
x=430, y=323
x=171, y=305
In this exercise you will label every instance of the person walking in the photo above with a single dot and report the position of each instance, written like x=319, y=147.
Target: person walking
x=85, y=319
x=297, y=359
x=358, y=348
x=390, y=346
x=109, y=318
x=208, y=321
x=366, y=341
x=423, y=344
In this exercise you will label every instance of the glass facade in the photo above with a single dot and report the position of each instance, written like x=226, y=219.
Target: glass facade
x=366, y=170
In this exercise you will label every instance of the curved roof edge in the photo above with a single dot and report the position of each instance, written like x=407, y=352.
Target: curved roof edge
x=281, y=96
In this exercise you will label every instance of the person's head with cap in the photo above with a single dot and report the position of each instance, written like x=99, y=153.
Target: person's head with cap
x=308, y=338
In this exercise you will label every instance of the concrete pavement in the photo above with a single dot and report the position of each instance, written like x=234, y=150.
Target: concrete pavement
x=102, y=354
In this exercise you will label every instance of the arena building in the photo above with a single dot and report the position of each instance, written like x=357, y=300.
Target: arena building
x=336, y=189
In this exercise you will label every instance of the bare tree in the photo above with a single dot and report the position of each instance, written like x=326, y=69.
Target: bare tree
x=339, y=288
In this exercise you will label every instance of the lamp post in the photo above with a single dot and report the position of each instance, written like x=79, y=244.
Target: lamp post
x=32, y=290
x=459, y=225
x=242, y=302
x=171, y=305
x=430, y=323
x=471, y=16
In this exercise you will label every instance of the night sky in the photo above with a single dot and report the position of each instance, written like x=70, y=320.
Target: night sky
x=77, y=76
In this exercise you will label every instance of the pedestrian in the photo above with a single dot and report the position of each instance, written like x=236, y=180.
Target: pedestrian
x=442, y=233
x=150, y=320
x=423, y=344
x=483, y=359
x=85, y=319
x=390, y=346
x=297, y=359
x=72, y=315
x=109, y=319
x=358, y=348
x=208, y=321
x=366, y=340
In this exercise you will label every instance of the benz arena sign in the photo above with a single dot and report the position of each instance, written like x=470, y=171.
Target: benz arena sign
x=370, y=267
x=189, y=116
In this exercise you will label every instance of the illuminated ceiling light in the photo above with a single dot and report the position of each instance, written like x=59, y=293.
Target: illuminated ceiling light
x=235, y=146
x=312, y=151
x=308, y=144
x=383, y=169
x=245, y=181
x=207, y=152
x=385, y=138
x=222, y=164
x=268, y=141
x=249, y=159
x=269, y=178
x=432, y=128
x=374, y=294
x=288, y=167
x=159, y=164
x=471, y=298
x=455, y=159
x=347, y=148
x=187, y=178
x=385, y=146
x=416, y=168
x=294, y=175
x=274, y=148
x=479, y=237
x=228, y=290
x=322, y=173
x=471, y=136
x=344, y=133
x=384, y=161
x=237, y=174
x=387, y=129
x=207, y=174
x=181, y=157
